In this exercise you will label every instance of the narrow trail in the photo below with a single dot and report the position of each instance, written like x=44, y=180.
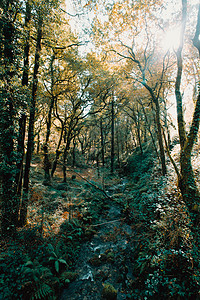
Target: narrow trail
x=104, y=259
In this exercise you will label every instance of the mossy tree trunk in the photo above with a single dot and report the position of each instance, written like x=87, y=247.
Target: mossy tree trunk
x=30, y=144
x=22, y=119
x=7, y=112
x=187, y=184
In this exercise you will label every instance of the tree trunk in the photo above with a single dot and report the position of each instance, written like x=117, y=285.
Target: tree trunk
x=57, y=152
x=38, y=143
x=166, y=124
x=155, y=100
x=9, y=203
x=134, y=140
x=74, y=153
x=68, y=139
x=118, y=151
x=187, y=182
x=112, y=137
x=30, y=144
x=20, y=150
x=102, y=143
x=49, y=117
x=149, y=129
x=160, y=139
x=22, y=119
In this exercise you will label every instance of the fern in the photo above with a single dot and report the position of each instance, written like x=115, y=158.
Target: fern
x=44, y=291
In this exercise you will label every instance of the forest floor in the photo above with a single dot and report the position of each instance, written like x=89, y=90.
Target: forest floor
x=133, y=214
x=121, y=236
x=103, y=261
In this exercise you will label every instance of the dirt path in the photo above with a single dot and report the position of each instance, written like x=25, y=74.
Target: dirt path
x=103, y=260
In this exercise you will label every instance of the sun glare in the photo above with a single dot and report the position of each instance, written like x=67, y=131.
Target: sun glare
x=171, y=39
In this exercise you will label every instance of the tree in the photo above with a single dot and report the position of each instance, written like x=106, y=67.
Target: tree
x=41, y=12
x=186, y=180
x=48, y=124
x=9, y=42
x=144, y=64
x=30, y=144
x=112, y=156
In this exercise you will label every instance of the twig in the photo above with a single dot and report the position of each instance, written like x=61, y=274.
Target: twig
x=95, y=225
x=98, y=188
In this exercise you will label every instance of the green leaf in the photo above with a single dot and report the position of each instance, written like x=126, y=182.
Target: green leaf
x=54, y=254
x=62, y=261
x=57, y=266
x=51, y=258
x=29, y=263
x=67, y=281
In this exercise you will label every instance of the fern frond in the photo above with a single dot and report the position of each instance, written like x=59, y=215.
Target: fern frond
x=44, y=291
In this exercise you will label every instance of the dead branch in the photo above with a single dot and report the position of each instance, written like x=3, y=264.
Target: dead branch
x=95, y=225
x=95, y=186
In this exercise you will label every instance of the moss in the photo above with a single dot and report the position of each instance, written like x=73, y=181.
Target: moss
x=67, y=277
x=109, y=292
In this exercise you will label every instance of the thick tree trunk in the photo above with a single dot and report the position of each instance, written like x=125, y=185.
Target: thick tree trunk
x=9, y=203
x=30, y=144
x=187, y=183
x=22, y=119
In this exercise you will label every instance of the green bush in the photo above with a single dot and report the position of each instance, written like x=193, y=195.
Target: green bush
x=11, y=275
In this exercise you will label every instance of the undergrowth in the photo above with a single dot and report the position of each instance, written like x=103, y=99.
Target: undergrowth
x=164, y=252
x=34, y=266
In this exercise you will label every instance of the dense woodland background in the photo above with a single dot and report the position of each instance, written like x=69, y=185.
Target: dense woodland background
x=100, y=149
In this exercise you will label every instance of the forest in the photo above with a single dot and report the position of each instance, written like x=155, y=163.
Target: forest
x=99, y=149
